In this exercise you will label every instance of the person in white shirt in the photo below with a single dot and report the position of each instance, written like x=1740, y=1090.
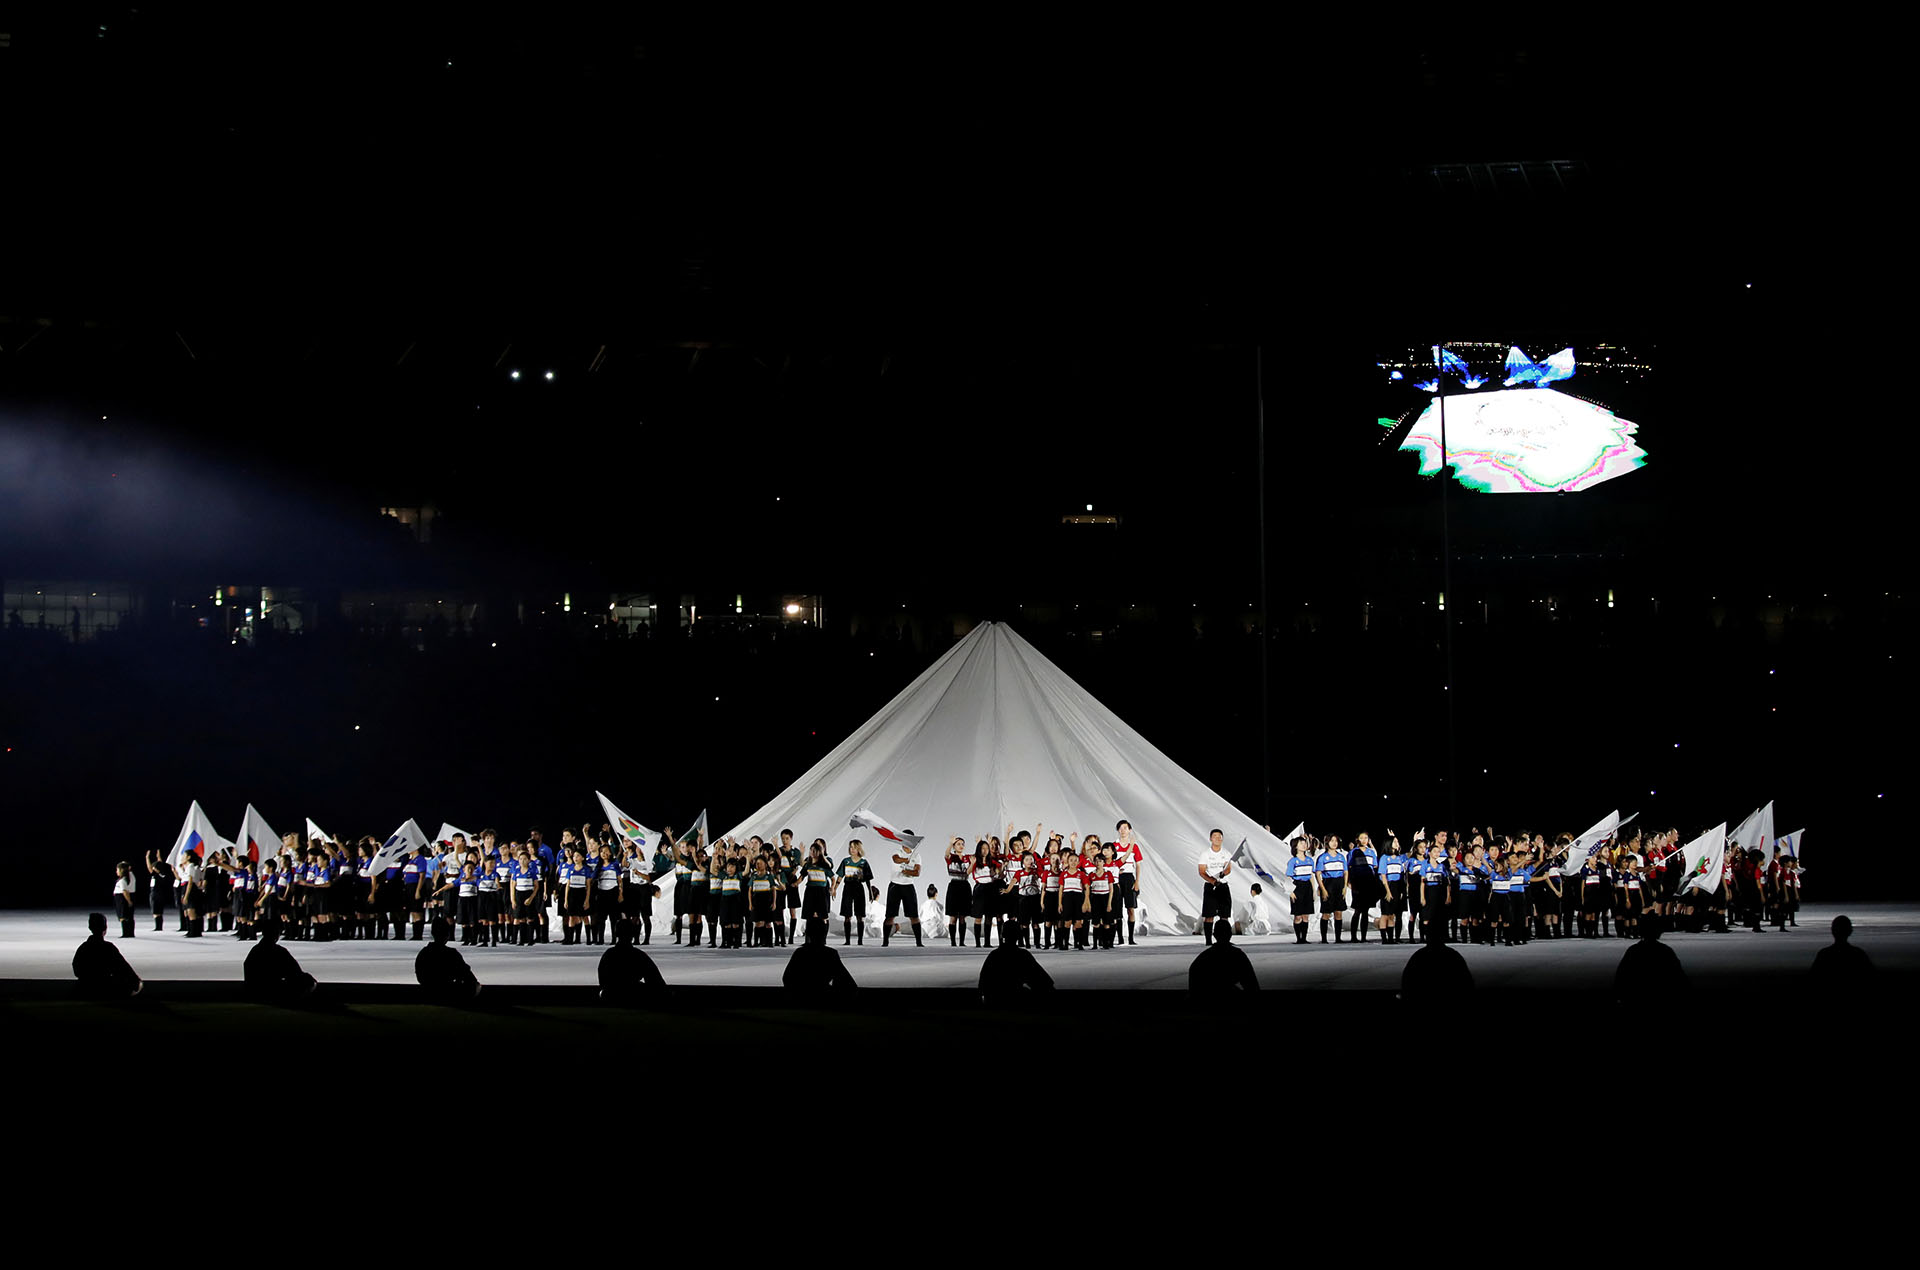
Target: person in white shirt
x=123, y=888
x=1216, y=901
x=933, y=916
x=193, y=881
x=1249, y=917
x=900, y=894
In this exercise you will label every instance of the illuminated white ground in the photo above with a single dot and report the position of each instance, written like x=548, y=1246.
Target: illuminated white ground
x=40, y=944
x=1526, y=441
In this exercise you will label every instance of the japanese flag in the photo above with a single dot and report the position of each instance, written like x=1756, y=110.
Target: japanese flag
x=258, y=841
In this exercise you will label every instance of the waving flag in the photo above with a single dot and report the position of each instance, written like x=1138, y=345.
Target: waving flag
x=196, y=838
x=257, y=840
x=447, y=831
x=408, y=837
x=316, y=834
x=1790, y=842
x=1243, y=855
x=1756, y=830
x=865, y=818
x=642, y=838
x=697, y=832
x=1589, y=842
x=1702, y=859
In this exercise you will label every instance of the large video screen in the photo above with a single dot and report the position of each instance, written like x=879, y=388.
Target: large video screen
x=1514, y=425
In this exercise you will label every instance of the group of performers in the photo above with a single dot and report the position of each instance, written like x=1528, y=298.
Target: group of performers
x=1043, y=890
x=1512, y=889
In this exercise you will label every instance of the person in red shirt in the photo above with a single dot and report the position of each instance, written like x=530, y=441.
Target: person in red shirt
x=1050, y=899
x=1126, y=849
x=1073, y=893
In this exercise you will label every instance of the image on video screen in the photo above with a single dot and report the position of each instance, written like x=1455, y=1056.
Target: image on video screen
x=1515, y=425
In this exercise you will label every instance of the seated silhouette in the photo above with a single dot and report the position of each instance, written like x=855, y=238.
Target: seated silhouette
x=1435, y=970
x=1840, y=963
x=1221, y=969
x=1649, y=967
x=103, y=973
x=814, y=968
x=442, y=971
x=628, y=975
x=270, y=971
x=1010, y=976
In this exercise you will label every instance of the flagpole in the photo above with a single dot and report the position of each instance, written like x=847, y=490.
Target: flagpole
x=1266, y=615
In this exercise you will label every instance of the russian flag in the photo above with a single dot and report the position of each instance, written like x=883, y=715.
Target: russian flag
x=197, y=838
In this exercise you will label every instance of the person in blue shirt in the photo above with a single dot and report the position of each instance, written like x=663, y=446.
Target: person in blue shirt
x=1519, y=899
x=1331, y=868
x=1363, y=886
x=1300, y=873
x=1393, y=890
x=1499, y=899
x=1436, y=880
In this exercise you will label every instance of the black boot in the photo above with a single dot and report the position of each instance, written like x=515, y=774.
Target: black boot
x=846, y=932
x=917, y=941
x=1323, y=930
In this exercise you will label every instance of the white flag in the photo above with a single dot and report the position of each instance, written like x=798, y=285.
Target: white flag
x=1587, y=843
x=1790, y=843
x=197, y=838
x=316, y=834
x=1298, y=831
x=1703, y=859
x=1756, y=830
x=447, y=831
x=866, y=818
x=697, y=831
x=257, y=839
x=642, y=838
x=408, y=837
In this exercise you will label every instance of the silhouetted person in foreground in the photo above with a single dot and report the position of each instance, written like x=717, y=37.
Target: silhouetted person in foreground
x=103, y=973
x=1010, y=976
x=1840, y=964
x=1221, y=970
x=627, y=975
x=442, y=971
x=1435, y=970
x=272, y=974
x=1649, y=968
x=815, y=969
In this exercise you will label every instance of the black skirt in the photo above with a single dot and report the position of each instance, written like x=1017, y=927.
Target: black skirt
x=959, y=898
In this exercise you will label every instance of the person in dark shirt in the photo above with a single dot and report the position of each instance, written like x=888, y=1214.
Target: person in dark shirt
x=628, y=975
x=1221, y=969
x=271, y=973
x=815, y=968
x=1434, y=970
x=442, y=971
x=1010, y=976
x=1840, y=963
x=1649, y=967
x=100, y=968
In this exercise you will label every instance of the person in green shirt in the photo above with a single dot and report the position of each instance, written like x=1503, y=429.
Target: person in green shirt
x=856, y=874
x=789, y=856
x=698, y=885
x=762, y=889
x=816, y=875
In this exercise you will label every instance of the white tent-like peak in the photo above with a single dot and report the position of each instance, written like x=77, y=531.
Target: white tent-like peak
x=993, y=733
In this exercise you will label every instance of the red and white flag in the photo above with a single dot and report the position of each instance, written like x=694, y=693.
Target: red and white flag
x=1756, y=831
x=866, y=818
x=257, y=839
